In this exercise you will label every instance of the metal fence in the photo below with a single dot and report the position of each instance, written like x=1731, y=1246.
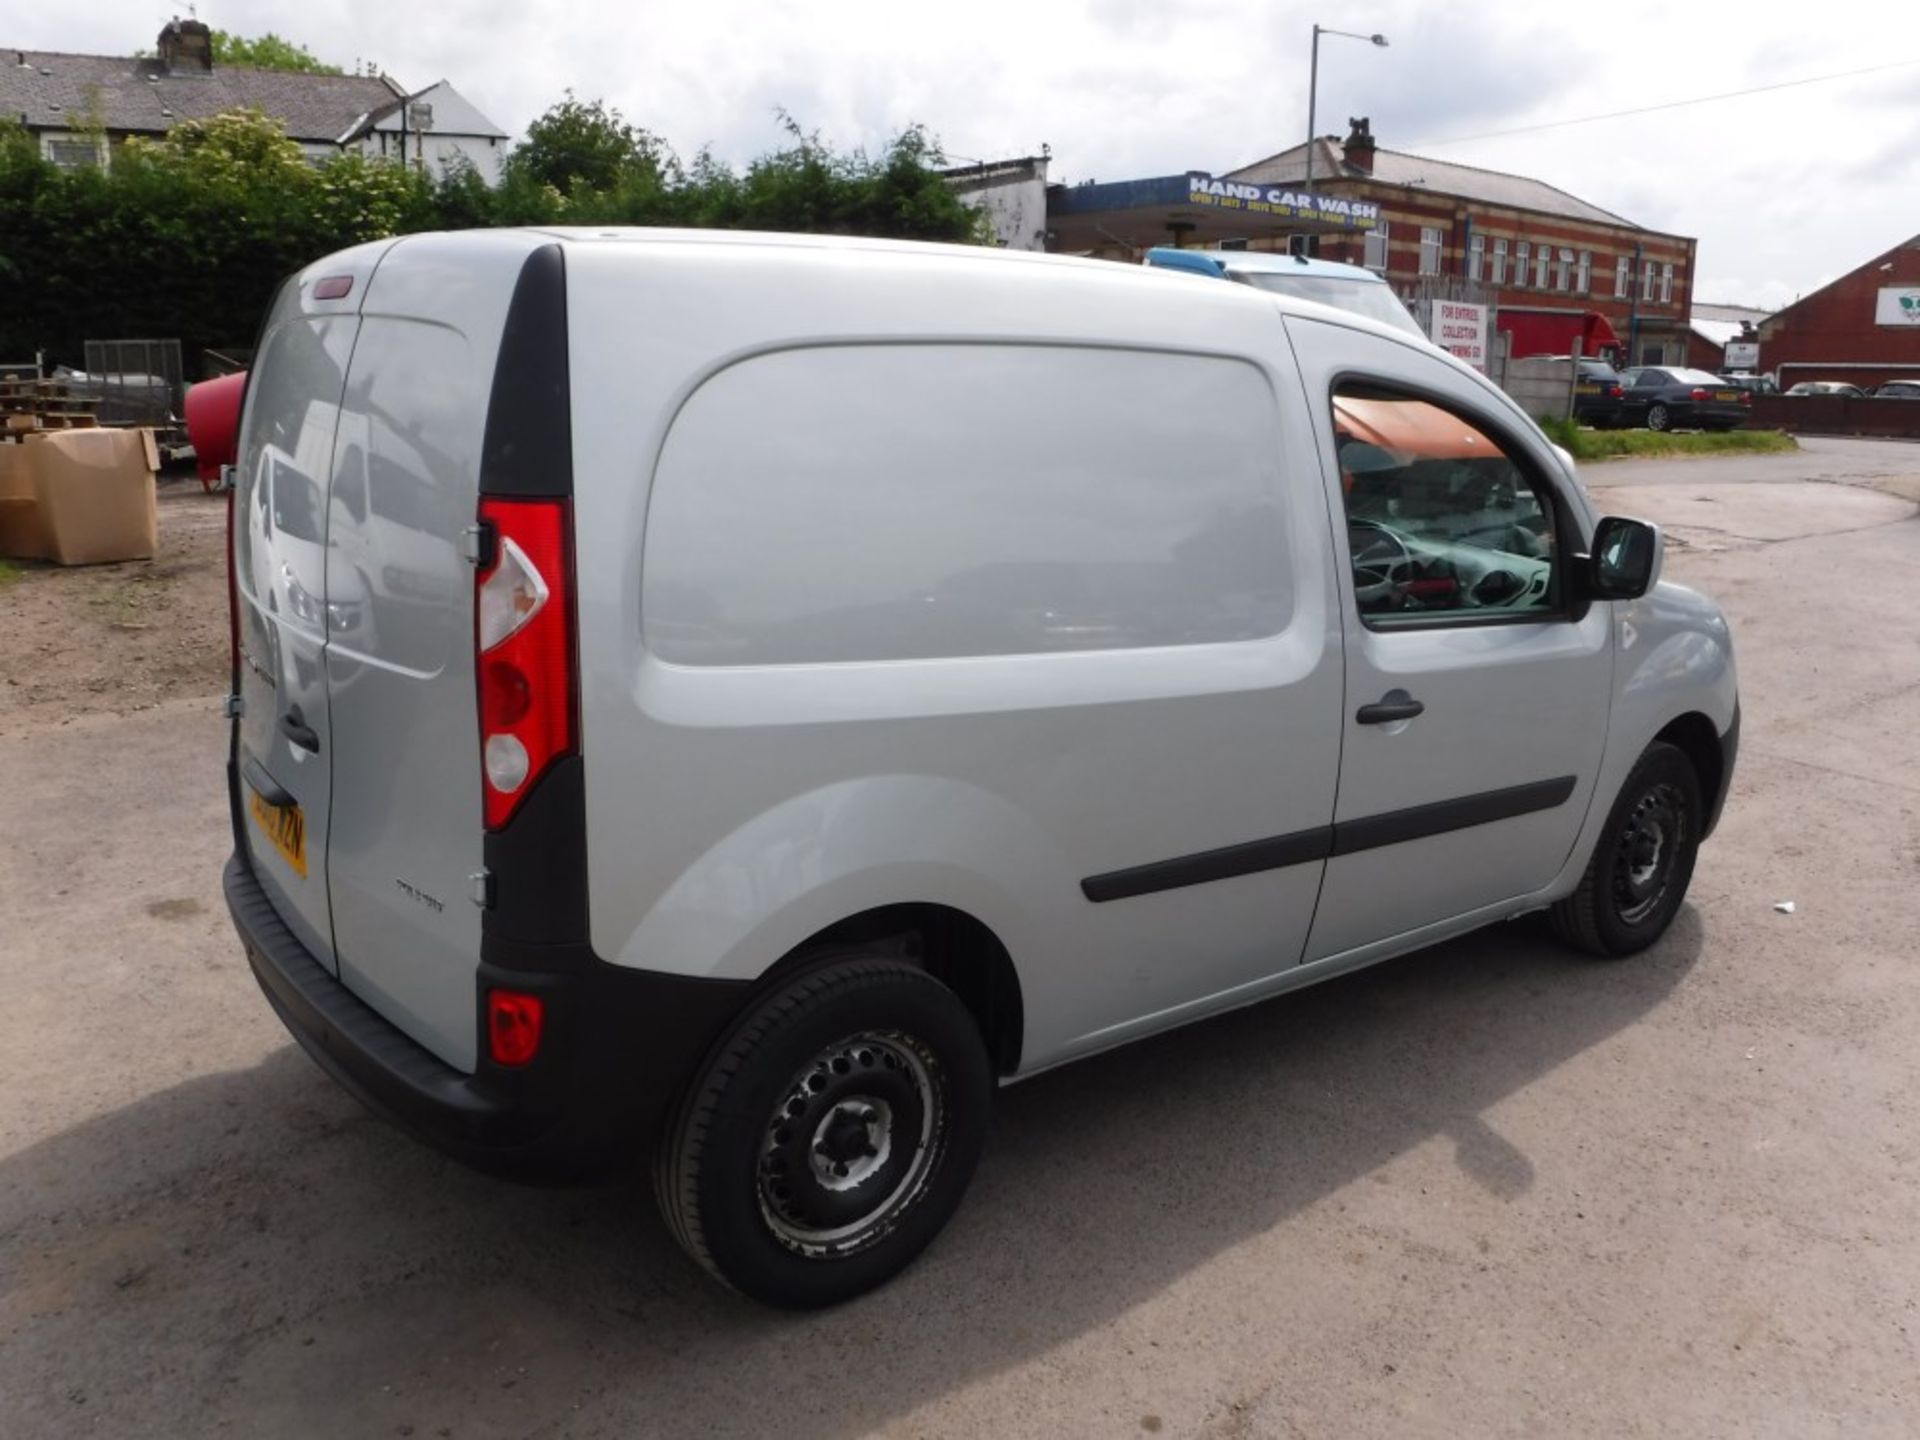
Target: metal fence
x=137, y=382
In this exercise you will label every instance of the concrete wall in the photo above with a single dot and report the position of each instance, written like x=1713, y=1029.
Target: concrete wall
x=1012, y=195
x=1543, y=388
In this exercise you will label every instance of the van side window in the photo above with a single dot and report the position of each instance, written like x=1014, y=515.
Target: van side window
x=894, y=502
x=1442, y=525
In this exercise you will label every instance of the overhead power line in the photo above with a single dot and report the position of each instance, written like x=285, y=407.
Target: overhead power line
x=1666, y=105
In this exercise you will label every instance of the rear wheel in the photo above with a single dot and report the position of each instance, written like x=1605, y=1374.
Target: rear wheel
x=831, y=1136
x=1643, y=863
x=1659, y=418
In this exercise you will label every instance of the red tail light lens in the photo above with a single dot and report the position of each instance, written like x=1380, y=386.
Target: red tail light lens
x=523, y=647
x=1699, y=395
x=514, y=1023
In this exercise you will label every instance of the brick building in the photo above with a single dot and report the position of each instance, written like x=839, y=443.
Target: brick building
x=1863, y=328
x=1557, y=266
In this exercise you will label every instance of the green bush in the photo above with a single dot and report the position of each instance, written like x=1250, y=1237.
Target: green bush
x=189, y=235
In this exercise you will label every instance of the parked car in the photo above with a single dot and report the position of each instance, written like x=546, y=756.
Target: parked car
x=1348, y=287
x=1828, y=387
x=1753, y=384
x=1597, y=393
x=1898, y=390
x=807, y=720
x=1665, y=398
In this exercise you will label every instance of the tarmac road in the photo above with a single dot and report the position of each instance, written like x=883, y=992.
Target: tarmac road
x=1487, y=1190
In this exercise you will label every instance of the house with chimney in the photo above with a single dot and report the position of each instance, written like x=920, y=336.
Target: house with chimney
x=1557, y=268
x=78, y=107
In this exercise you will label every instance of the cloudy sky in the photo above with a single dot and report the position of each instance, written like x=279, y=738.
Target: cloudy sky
x=1784, y=190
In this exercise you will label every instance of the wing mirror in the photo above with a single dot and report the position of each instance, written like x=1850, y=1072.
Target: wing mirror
x=1625, y=561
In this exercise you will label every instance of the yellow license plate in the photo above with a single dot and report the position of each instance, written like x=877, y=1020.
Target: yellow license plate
x=1726, y=394
x=286, y=827
x=1586, y=389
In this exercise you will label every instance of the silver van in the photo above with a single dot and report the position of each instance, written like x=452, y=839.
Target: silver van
x=737, y=699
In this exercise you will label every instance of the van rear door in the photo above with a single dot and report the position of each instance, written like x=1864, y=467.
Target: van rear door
x=406, y=856
x=284, y=461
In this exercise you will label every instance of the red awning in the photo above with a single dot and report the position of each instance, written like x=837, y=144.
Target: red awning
x=1536, y=332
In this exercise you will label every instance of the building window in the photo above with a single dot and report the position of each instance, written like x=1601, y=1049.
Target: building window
x=1476, y=254
x=1542, y=263
x=1563, y=273
x=1306, y=245
x=1499, y=262
x=1375, y=255
x=1622, y=277
x=1646, y=280
x=75, y=152
x=1653, y=354
x=1233, y=244
x=1666, y=283
x=1520, y=253
x=1429, y=249
x=1583, y=282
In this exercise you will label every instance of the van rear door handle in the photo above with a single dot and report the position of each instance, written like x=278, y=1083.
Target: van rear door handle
x=294, y=726
x=1392, y=706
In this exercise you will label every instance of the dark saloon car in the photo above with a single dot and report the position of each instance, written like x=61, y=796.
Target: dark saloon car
x=1596, y=394
x=1663, y=397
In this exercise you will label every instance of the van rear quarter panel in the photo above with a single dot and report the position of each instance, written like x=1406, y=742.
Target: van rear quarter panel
x=736, y=809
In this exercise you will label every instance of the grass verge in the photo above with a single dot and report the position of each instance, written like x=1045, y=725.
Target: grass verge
x=1585, y=444
x=8, y=574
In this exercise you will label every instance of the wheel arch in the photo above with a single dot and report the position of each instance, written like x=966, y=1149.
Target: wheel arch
x=954, y=947
x=1695, y=736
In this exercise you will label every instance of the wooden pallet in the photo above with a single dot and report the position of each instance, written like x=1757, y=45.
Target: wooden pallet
x=24, y=422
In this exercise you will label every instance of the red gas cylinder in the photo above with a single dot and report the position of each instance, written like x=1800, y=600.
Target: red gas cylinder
x=213, y=422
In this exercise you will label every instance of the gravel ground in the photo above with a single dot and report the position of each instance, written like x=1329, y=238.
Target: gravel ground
x=1485, y=1190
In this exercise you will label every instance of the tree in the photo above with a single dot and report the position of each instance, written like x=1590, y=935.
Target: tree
x=577, y=147
x=268, y=52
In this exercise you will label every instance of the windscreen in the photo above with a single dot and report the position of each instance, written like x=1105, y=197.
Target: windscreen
x=1371, y=298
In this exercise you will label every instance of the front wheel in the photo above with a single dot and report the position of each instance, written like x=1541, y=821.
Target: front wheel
x=831, y=1136
x=1659, y=418
x=1633, y=885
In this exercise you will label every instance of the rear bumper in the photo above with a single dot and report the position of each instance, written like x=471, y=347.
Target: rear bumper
x=618, y=1048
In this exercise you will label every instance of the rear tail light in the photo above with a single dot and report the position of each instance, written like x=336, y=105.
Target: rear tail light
x=1700, y=395
x=1746, y=397
x=514, y=1022
x=1613, y=392
x=523, y=649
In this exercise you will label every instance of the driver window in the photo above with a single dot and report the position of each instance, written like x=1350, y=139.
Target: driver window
x=1442, y=526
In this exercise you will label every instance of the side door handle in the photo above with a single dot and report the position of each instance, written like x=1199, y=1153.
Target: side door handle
x=1394, y=705
x=294, y=726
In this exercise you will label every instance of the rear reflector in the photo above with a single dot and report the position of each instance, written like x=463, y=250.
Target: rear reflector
x=523, y=646
x=514, y=1022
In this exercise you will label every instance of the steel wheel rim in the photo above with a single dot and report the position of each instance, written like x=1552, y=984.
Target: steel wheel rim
x=1648, y=853
x=851, y=1144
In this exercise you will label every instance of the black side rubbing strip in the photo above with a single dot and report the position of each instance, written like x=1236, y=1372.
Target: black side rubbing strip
x=1347, y=838
x=1397, y=826
x=1223, y=864
x=528, y=448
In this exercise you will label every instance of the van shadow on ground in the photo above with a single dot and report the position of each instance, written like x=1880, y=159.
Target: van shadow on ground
x=253, y=1250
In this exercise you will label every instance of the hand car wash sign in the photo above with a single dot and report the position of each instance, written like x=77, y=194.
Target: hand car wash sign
x=1461, y=331
x=1279, y=202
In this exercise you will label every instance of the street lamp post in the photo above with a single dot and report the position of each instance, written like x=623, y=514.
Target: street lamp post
x=1313, y=88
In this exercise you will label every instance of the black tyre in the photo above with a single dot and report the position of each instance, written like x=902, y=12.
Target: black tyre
x=1659, y=418
x=831, y=1135
x=1640, y=870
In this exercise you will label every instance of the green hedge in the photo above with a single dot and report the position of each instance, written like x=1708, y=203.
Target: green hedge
x=188, y=236
x=1585, y=444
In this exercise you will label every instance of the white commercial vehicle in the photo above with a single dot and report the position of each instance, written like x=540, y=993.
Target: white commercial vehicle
x=735, y=699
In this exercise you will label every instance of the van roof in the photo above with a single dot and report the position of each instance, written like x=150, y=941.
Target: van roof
x=1108, y=271
x=1265, y=262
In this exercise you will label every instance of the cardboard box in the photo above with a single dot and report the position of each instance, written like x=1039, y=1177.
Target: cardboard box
x=95, y=494
x=20, y=534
